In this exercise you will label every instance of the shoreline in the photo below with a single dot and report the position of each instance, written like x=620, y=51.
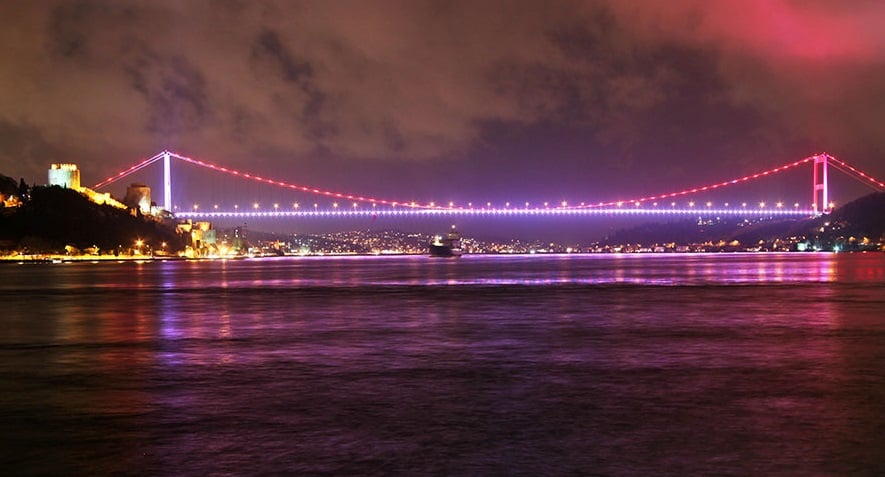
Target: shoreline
x=54, y=259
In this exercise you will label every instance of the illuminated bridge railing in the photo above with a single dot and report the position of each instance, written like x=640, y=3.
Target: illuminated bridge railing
x=509, y=212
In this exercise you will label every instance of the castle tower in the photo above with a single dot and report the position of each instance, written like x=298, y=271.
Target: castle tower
x=139, y=195
x=64, y=175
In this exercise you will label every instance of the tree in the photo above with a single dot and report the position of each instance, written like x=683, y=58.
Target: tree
x=23, y=190
x=7, y=186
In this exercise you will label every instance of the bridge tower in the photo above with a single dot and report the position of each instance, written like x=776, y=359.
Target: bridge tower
x=167, y=183
x=820, y=202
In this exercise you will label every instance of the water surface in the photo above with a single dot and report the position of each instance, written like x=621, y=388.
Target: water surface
x=484, y=365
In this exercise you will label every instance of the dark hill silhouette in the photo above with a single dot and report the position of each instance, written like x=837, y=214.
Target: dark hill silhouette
x=53, y=218
x=864, y=217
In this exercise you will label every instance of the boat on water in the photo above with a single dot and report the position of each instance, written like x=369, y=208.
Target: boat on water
x=448, y=245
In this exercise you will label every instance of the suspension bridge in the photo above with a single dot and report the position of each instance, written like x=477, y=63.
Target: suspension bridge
x=674, y=203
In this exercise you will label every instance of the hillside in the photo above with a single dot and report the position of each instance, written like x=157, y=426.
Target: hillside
x=864, y=217
x=861, y=219
x=53, y=218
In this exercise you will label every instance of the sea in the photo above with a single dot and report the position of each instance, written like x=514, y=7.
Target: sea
x=535, y=365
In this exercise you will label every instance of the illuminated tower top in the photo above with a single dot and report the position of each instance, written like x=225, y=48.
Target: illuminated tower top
x=64, y=175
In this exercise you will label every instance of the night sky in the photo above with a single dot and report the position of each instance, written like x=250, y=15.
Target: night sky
x=439, y=100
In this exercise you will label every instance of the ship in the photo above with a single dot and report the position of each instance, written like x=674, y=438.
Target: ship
x=446, y=246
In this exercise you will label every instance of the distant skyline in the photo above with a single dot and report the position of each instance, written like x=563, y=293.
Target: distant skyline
x=491, y=100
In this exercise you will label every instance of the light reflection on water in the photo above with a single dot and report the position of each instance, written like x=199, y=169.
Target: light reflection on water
x=540, y=365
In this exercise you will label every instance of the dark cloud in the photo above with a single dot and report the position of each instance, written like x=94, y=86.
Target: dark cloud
x=26, y=151
x=268, y=45
x=269, y=54
x=175, y=93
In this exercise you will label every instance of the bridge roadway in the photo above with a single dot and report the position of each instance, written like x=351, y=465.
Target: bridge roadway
x=748, y=212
